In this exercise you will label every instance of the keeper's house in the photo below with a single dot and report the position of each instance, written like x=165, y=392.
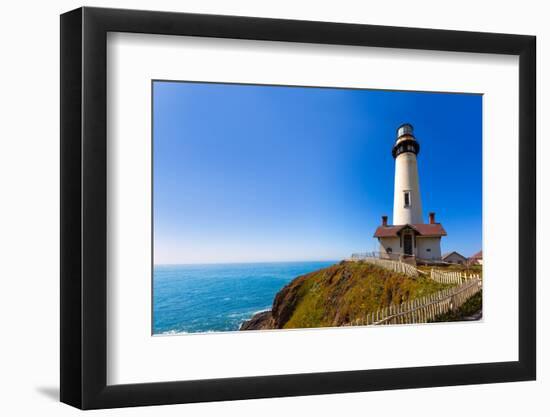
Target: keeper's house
x=454, y=258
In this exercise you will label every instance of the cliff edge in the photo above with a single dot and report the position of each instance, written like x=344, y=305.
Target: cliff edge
x=338, y=296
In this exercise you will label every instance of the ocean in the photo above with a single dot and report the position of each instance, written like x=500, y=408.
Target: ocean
x=218, y=297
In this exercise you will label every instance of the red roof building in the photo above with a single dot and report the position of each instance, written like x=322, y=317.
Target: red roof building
x=476, y=259
x=421, y=241
x=433, y=230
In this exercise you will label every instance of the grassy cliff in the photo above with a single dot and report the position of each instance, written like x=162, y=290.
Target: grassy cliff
x=339, y=295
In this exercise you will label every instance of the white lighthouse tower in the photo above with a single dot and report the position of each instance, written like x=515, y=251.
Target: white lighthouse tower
x=408, y=238
x=407, y=204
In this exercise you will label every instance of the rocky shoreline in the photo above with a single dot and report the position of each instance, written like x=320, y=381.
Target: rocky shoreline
x=259, y=321
x=282, y=309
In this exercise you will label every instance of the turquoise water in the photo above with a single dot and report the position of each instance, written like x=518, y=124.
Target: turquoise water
x=218, y=297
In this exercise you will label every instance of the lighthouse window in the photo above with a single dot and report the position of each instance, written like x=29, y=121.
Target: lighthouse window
x=407, y=198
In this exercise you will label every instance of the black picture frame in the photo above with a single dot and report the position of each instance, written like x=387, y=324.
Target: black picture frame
x=84, y=207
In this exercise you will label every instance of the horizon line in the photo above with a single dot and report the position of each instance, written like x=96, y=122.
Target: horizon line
x=248, y=262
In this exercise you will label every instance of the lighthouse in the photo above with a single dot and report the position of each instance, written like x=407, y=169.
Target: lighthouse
x=407, y=203
x=408, y=238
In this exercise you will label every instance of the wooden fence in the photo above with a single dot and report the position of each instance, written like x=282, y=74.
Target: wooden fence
x=395, y=266
x=451, y=277
x=421, y=310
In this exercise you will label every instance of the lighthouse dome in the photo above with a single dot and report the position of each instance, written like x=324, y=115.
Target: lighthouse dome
x=404, y=129
x=405, y=142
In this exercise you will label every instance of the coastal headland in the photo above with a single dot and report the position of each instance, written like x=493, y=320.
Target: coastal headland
x=341, y=295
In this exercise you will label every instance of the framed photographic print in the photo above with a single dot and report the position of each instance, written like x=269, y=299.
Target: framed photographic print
x=258, y=207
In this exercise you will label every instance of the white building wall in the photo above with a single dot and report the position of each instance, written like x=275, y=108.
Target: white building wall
x=406, y=179
x=389, y=242
x=431, y=243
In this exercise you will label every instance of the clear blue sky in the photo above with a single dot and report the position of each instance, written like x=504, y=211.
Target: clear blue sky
x=247, y=173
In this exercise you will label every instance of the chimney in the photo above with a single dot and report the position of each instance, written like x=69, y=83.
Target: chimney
x=432, y=217
x=384, y=220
